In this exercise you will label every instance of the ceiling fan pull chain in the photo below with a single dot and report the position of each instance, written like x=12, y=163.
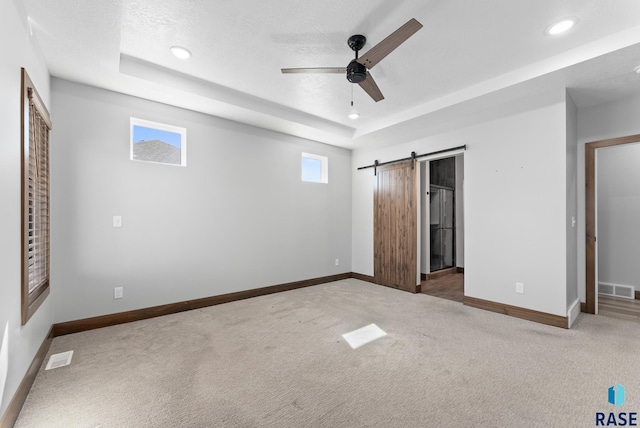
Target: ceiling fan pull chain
x=351, y=95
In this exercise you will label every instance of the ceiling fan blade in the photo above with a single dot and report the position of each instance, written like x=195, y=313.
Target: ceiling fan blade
x=393, y=40
x=334, y=70
x=370, y=87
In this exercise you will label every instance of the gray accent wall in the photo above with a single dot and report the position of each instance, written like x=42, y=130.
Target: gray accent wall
x=18, y=343
x=237, y=217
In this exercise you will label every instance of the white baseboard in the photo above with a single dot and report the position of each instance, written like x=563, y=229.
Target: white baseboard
x=573, y=313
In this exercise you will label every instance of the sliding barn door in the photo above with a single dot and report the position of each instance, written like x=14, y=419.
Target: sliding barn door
x=395, y=226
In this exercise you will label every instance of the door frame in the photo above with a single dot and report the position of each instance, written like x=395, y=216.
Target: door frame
x=459, y=208
x=590, y=213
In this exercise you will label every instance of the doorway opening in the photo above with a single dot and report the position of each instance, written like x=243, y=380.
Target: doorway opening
x=608, y=215
x=442, y=227
x=617, y=204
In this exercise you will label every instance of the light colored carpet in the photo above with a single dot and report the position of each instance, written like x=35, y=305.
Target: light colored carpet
x=280, y=361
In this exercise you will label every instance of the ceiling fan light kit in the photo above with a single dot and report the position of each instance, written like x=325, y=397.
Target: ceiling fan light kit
x=357, y=70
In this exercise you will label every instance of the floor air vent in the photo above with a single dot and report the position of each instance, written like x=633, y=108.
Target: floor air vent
x=617, y=290
x=59, y=360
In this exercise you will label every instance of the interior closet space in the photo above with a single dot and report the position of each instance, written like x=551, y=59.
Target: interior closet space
x=442, y=227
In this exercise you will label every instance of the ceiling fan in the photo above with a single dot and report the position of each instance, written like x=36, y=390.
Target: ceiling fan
x=357, y=70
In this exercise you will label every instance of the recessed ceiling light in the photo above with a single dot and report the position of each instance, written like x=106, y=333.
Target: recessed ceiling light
x=561, y=26
x=353, y=116
x=637, y=69
x=180, y=52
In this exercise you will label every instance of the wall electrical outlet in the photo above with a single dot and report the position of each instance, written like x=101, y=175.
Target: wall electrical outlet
x=337, y=262
x=117, y=221
x=118, y=292
x=520, y=287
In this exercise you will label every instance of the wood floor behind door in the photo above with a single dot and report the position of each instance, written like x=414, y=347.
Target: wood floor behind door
x=395, y=226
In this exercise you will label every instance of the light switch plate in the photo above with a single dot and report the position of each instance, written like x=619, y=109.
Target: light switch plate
x=117, y=221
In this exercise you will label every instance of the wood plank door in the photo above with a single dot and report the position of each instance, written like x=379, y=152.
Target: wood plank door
x=395, y=226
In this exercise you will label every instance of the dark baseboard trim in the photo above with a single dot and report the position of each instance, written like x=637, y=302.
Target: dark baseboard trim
x=86, y=324
x=460, y=269
x=637, y=295
x=362, y=277
x=515, y=311
x=15, y=406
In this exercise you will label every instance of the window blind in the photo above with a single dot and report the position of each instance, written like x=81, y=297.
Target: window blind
x=38, y=196
x=36, y=124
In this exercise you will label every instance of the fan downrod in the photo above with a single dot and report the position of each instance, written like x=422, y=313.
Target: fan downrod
x=356, y=72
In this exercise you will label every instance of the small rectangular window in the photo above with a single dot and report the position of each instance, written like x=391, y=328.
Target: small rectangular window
x=315, y=168
x=157, y=142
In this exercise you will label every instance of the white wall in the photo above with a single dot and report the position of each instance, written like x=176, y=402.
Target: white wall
x=595, y=123
x=515, y=211
x=618, y=184
x=22, y=342
x=237, y=217
x=572, y=202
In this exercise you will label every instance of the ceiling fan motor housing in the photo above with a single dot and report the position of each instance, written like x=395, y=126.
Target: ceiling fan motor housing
x=356, y=72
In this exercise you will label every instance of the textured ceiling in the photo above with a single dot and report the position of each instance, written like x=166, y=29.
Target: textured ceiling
x=469, y=56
